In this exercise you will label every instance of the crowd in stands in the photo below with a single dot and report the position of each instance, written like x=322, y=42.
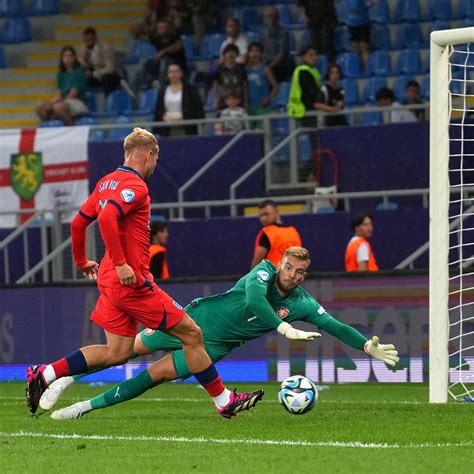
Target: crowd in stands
x=251, y=70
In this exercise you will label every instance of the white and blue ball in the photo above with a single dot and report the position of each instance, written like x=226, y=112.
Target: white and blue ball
x=298, y=395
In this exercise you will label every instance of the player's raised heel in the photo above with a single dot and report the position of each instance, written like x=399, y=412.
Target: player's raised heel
x=36, y=386
x=240, y=402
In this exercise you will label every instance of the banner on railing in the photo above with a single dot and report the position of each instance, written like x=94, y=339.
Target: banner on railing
x=42, y=168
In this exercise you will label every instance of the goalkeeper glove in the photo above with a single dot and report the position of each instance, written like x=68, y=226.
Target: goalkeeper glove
x=384, y=352
x=290, y=332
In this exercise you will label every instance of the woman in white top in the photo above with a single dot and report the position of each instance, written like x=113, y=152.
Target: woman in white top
x=179, y=101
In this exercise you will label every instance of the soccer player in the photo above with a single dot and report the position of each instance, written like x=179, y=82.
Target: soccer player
x=267, y=298
x=121, y=204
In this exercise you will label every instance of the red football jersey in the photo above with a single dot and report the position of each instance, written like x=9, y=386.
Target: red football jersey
x=121, y=203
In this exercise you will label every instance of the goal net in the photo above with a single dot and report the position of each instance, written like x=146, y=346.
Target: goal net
x=452, y=215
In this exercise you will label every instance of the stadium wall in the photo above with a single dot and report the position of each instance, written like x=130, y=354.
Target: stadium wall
x=39, y=324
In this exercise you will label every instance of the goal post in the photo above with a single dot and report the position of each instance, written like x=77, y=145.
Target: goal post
x=441, y=112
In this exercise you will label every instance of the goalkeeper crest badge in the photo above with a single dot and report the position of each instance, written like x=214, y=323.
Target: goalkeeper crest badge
x=282, y=313
x=148, y=331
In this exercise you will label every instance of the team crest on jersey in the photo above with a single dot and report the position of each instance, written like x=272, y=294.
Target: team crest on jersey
x=148, y=331
x=127, y=195
x=282, y=313
x=263, y=275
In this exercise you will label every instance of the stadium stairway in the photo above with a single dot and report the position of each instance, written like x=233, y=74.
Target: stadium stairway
x=31, y=76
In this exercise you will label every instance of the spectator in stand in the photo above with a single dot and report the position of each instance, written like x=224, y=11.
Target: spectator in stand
x=70, y=96
x=180, y=101
x=154, y=9
x=332, y=96
x=233, y=101
x=158, y=252
x=230, y=76
x=413, y=94
x=386, y=98
x=204, y=15
x=169, y=49
x=262, y=85
x=321, y=20
x=275, y=237
x=359, y=256
x=276, y=45
x=234, y=36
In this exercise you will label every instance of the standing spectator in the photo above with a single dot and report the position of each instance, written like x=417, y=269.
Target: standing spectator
x=154, y=9
x=69, y=99
x=359, y=256
x=275, y=237
x=234, y=36
x=413, y=94
x=158, y=252
x=234, y=109
x=386, y=98
x=97, y=59
x=170, y=49
x=276, y=45
x=262, y=85
x=204, y=15
x=332, y=96
x=180, y=101
x=230, y=76
x=321, y=20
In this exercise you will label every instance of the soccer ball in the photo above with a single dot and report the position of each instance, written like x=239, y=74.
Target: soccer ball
x=298, y=395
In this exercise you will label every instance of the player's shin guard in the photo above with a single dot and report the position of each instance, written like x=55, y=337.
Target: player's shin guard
x=72, y=364
x=124, y=391
x=211, y=381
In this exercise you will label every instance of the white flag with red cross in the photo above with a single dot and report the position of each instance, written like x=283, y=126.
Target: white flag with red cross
x=42, y=168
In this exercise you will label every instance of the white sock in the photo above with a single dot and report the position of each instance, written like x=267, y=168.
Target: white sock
x=85, y=406
x=222, y=399
x=49, y=374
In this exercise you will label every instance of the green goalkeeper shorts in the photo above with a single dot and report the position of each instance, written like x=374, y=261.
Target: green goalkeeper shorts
x=155, y=340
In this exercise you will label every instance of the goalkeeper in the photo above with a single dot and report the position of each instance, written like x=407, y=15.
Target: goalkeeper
x=267, y=298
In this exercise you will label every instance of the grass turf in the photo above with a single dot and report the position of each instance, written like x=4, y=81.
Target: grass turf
x=354, y=428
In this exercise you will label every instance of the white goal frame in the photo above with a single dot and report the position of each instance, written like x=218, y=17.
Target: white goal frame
x=439, y=208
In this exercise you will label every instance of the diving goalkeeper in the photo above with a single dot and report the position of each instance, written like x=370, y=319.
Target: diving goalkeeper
x=265, y=299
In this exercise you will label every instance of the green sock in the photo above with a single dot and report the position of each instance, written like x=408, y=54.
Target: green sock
x=124, y=391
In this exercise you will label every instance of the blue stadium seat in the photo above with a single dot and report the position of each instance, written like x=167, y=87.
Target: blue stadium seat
x=140, y=50
x=408, y=10
x=280, y=126
x=43, y=7
x=322, y=65
x=52, y=123
x=351, y=91
x=120, y=133
x=87, y=121
x=305, y=148
x=249, y=19
x=350, y=64
x=16, y=30
x=370, y=118
x=94, y=135
x=210, y=46
x=282, y=96
x=115, y=103
x=3, y=63
x=379, y=64
x=389, y=206
x=285, y=15
x=456, y=85
x=379, y=13
x=409, y=62
x=325, y=210
x=408, y=36
x=341, y=13
x=466, y=9
x=342, y=39
x=188, y=47
x=425, y=88
x=381, y=37
x=11, y=8
x=147, y=103
x=252, y=36
x=399, y=87
x=441, y=10
x=372, y=86
x=91, y=101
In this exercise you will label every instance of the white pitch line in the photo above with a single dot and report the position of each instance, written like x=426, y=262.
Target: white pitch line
x=258, y=442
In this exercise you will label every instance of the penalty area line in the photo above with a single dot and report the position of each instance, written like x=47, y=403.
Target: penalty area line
x=258, y=442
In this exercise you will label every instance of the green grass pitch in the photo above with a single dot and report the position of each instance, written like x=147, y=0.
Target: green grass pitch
x=173, y=428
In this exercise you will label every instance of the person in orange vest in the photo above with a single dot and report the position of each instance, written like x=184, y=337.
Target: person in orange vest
x=158, y=259
x=275, y=237
x=359, y=255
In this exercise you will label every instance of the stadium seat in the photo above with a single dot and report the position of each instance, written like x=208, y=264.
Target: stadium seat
x=441, y=10
x=252, y=36
x=140, y=50
x=210, y=47
x=115, y=103
x=305, y=148
x=466, y=9
x=249, y=19
x=43, y=7
x=342, y=39
x=51, y=123
x=147, y=103
x=11, y=8
x=409, y=62
x=16, y=30
x=120, y=133
x=350, y=64
x=91, y=101
x=370, y=118
x=372, y=86
x=381, y=37
x=389, y=206
x=95, y=135
x=285, y=15
x=282, y=96
x=280, y=126
x=425, y=88
x=3, y=63
x=379, y=13
x=379, y=64
x=408, y=10
x=408, y=36
x=456, y=84
x=322, y=65
x=325, y=210
x=399, y=87
x=188, y=47
x=351, y=91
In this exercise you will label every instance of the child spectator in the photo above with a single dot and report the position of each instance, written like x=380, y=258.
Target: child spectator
x=233, y=101
x=332, y=96
x=232, y=28
x=413, y=94
x=385, y=97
